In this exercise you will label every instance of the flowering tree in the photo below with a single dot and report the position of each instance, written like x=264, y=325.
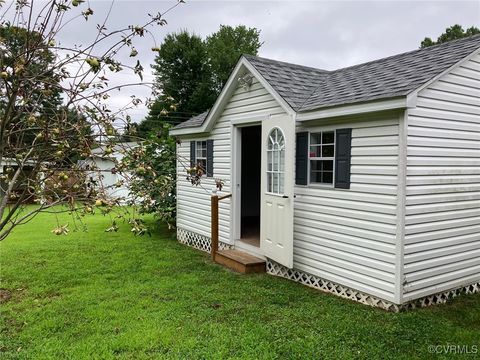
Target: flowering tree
x=54, y=108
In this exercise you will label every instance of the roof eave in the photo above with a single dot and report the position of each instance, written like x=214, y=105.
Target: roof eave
x=195, y=130
x=395, y=103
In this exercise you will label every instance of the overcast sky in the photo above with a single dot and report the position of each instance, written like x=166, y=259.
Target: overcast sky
x=323, y=34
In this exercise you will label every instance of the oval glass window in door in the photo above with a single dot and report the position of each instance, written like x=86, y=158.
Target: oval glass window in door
x=276, y=162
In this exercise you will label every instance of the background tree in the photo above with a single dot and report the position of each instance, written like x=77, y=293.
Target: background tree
x=182, y=77
x=53, y=107
x=451, y=33
x=44, y=97
x=225, y=47
x=190, y=72
x=155, y=183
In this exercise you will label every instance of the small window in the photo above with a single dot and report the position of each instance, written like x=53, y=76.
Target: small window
x=276, y=162
x=201, y=155
x=322, y=157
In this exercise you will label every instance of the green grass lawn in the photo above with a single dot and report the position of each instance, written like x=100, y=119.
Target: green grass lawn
x=98, y=295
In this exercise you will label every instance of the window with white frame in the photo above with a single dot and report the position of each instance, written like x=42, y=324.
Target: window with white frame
x=201, y=155
x=276, y=162
x=322, y=157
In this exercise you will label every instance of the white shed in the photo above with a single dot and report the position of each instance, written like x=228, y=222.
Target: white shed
x=363, y=181
x=112, y=184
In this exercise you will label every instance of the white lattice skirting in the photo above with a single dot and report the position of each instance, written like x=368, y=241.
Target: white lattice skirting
x=198, y=241
x=316, y=282
x=203, y=243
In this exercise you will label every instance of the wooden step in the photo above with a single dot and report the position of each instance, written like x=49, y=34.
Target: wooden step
x=240, y=261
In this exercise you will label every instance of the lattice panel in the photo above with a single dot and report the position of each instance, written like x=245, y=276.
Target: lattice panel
x=443, y=297
x=198, y=241
x=316, y=282
x=203, y=243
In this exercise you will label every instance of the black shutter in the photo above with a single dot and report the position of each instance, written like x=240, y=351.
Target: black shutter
x=301, y=161
x=209, y=158
x=343, y=154
x=192, y=154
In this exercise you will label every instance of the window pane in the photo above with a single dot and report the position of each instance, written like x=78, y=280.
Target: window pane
x=315, y=165
x=282, y=181
x=327, y=165
x=315, y=151
x=322, y=171
x=202, y=163
x=327, y=177
x=201, y=149
x=275, y=161
x=328, y=137
x=315, y=138
x=282, y=160
x=327, y=151
x=275, y=183
x=315, y=177
x=280, y=139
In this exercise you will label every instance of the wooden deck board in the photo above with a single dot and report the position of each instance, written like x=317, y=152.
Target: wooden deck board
x=240, y=261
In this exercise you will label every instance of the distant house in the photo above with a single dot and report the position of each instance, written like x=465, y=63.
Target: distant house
x=363, y=181
x=108, y=181
x=9, y=163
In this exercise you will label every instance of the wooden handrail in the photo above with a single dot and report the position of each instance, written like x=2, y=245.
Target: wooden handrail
x=224, y=197
x=214, y=221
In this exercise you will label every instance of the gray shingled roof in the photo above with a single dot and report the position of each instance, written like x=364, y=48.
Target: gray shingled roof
x=389, y=77
x=306, y=89
x=295, y=83
x=194, y=121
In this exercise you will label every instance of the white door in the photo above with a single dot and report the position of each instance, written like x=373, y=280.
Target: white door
x=276, y=221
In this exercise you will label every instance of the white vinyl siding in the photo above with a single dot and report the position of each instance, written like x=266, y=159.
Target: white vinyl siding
x=349, y=236
x=193, y=202
x=442, y=234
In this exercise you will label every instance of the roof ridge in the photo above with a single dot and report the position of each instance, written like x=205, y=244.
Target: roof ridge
x=429, y=48
x=286, y=63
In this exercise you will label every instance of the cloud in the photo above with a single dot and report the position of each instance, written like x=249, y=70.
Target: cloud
x=323, y=34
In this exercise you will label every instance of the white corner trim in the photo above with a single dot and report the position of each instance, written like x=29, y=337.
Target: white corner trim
x=401, y=206
x=343, y=110
x=411, y=100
